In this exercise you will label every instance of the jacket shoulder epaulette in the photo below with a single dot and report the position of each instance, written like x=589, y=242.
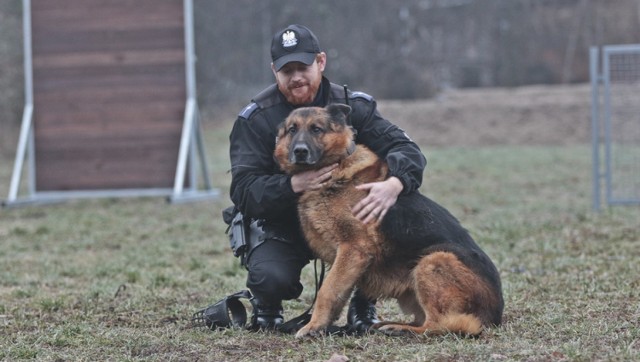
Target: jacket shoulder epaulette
x=337, y=92
x=265, y=99
x=365, y=96
x=247, y=111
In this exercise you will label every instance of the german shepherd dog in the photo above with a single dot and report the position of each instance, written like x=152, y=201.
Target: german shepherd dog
x=418, y=254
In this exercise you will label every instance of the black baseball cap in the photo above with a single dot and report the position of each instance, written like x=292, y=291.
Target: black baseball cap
x=295, y=43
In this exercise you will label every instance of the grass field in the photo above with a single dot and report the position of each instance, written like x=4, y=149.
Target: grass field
x=118, y=279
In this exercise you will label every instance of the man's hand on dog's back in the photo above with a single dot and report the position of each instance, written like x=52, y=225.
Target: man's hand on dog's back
x=382, y=195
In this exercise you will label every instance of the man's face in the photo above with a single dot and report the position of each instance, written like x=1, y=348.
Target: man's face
x=300, y=82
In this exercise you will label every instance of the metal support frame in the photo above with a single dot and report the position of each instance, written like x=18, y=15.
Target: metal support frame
x=601, y=120
x=25, y=142
x=191, y=143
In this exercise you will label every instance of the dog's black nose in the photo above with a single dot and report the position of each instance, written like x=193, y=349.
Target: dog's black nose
x=301, y=152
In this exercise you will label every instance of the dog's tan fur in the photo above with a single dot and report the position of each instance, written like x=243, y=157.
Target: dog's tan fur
x=437, y=288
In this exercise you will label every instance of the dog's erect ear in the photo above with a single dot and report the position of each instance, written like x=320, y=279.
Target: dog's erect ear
x=339, y=112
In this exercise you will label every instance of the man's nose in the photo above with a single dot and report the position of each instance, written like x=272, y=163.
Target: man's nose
x=297, y=75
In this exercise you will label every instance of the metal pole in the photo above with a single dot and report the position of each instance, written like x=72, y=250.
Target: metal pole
x=193, y=170
x=27, y=114
x=20, y=153
x=189, y=113
x=201, y=152
x=189, y=49
x=595, y=124
x=607, y=123
x=183, y=154
x=28, y=56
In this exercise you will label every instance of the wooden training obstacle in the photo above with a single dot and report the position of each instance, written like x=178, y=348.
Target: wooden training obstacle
x=110, y=102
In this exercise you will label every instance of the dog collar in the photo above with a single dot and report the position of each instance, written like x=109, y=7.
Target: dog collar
x=351, y=149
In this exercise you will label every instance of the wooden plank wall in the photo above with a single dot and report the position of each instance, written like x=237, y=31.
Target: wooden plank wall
x=109, y=93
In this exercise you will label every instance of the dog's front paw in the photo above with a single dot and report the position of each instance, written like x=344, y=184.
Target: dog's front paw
x=309, y=331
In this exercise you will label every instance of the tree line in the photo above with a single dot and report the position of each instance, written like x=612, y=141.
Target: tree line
x=391, y=49
x=414, y=48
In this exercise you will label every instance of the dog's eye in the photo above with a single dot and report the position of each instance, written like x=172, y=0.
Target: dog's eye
x=316, y=129
x=292, y=130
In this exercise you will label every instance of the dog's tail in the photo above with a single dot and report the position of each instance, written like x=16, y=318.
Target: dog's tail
x=464, y=324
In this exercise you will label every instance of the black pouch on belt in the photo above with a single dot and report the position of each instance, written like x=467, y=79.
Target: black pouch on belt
x=237, y=232
x=245, y=234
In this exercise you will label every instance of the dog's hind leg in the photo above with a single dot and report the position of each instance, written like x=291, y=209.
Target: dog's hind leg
x=408, y=305
x=348, y=266
x=446, y=290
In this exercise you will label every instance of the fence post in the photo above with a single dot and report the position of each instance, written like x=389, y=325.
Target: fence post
x=595, y=124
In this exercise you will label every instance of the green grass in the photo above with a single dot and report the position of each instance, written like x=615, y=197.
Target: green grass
x=119, y=279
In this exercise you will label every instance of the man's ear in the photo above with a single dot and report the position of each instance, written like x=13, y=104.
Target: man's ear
x=338, y=112
x=321, y=59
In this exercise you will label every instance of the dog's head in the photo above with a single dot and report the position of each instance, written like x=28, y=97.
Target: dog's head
x=313, y=137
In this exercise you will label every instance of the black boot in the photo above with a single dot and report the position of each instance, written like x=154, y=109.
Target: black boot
x=362, y=313
x=265, y=317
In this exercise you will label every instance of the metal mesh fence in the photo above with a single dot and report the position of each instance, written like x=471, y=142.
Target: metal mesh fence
x=623, y=126
x=617, y=89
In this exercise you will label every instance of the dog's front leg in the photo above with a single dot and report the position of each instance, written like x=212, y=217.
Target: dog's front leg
x=348, y=266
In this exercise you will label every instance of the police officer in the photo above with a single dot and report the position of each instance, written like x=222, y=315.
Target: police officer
x=267, y=197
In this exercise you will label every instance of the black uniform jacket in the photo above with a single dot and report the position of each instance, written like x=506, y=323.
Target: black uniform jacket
x=260, y=190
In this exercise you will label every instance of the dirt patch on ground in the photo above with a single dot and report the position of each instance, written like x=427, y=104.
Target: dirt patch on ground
x=534, y=115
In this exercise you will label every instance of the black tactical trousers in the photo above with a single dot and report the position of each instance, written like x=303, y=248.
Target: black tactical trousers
x=274, y=268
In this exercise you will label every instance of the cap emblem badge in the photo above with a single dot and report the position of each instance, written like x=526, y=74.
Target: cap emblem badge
x=289, y=39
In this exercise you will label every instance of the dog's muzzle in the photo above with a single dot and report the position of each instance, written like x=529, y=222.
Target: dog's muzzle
x=224, y=313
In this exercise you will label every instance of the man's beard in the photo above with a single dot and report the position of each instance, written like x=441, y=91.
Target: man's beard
x=304, y=98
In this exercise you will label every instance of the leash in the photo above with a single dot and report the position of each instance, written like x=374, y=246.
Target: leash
x=293, y=325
